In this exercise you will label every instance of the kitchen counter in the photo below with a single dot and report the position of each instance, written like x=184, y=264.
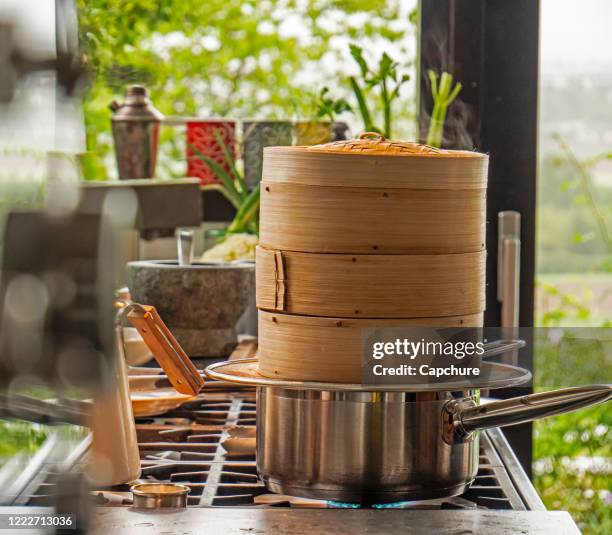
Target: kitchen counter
x=220, y=521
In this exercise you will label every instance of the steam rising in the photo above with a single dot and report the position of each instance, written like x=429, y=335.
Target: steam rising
x=460, y=127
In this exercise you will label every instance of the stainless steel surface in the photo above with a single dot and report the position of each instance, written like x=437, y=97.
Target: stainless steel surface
x=378, y=447
x=160, y=495
x=184, y=245
x=508, y=275
x=527, y=408
x=136, y=133
x=360, y=447
x=122, y=520
x=508, y=226
x=244, y=371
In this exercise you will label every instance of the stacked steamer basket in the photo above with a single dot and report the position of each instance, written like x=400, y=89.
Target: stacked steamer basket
x=364, y=233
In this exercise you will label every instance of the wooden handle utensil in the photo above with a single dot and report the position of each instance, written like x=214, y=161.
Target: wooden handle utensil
x=181, y=372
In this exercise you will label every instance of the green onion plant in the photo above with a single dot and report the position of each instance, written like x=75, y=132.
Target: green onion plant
x=443, y=94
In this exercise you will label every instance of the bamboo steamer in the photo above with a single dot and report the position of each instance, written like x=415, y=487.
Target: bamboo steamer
x=310, y=348
x=370, y=286
x=373, y=196
x=359, y=234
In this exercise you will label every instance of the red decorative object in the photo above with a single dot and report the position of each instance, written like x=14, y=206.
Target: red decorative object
x=200, y=134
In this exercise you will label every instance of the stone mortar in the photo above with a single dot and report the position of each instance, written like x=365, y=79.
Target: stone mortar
x=200, y=303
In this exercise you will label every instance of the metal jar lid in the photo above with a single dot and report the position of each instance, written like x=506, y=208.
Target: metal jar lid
x=160, y=495
x=137, y=106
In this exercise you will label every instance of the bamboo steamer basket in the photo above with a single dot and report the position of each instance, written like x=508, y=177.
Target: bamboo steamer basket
x=359, y=234
x=373, y=196
x=311, y=348
x=370, y=286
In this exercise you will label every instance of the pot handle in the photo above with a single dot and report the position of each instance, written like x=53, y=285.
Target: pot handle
x=468, y=418
x=181, y=372
x=499, y=347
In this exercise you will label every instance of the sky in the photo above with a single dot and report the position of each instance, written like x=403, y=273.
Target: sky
x=576, y=36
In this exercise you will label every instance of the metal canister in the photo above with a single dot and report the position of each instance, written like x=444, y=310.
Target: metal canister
x=340, y=131
x=136, y=132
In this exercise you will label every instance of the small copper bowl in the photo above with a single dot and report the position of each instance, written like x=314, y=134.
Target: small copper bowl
x=159, y=495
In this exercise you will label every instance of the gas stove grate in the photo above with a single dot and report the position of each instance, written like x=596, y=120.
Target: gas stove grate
x=197, y=445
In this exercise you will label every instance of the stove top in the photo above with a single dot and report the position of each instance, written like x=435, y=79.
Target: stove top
x=209, y=445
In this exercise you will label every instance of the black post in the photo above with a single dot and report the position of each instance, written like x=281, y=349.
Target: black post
x=492, y=48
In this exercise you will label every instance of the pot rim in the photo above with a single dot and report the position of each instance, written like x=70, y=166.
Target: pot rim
x=248, y=265
x=245, y=371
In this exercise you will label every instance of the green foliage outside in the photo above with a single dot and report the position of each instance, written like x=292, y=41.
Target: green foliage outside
x=19, y=437
x=239, y=58
x=386, y=78
x=561, y=446
x=569, y=238
x=573, y=452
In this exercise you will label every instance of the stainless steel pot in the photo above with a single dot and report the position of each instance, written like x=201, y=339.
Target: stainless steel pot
x=377, y=447
x=385, y=443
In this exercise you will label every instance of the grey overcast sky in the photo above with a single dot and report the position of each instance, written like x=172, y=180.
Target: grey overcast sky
x=576, y=36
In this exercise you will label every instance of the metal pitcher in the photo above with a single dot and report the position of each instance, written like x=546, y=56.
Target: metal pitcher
x=136, y=133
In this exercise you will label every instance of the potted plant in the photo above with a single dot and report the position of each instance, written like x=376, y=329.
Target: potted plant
x=238, y=241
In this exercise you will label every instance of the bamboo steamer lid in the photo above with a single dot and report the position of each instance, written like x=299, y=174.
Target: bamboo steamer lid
x=307, y=348
x=370, y=286
x=372, y=195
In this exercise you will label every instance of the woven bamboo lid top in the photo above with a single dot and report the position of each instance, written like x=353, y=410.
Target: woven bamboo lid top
x=373, y=161
x=373, y=143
